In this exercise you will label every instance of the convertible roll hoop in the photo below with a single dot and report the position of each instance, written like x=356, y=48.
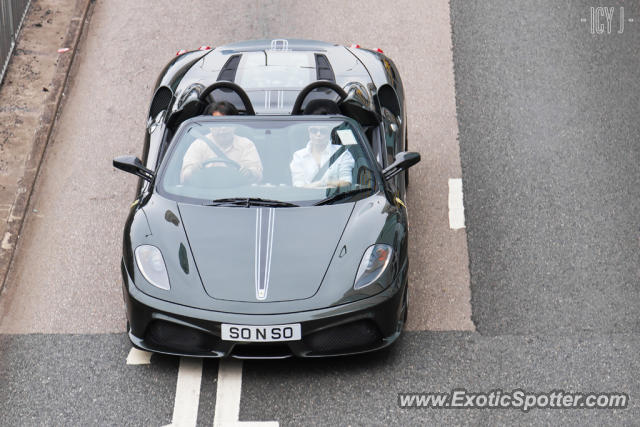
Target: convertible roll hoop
x=297, y=106
x=197, y=106
x=235, y=88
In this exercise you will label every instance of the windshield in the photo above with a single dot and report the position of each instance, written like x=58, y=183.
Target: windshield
x=302, y=162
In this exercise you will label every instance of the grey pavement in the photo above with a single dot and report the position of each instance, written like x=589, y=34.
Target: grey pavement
x=363, y=390
x=70, y=248
x=68, y=379
x=81, y=379
x=550, y=149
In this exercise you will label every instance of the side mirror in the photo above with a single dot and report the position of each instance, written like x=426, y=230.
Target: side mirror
x=133, y=165
x=404, y=160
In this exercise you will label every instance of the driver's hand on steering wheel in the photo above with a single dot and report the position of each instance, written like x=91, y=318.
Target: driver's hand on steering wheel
x=188, y=172
x=248, y=173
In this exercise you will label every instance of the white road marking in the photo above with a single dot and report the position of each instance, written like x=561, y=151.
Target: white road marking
x=138, y=357
x=456, y=206
x=228, y=397
x=5, y=241
x=228, y=392
x=254, y=424
x=185, y=408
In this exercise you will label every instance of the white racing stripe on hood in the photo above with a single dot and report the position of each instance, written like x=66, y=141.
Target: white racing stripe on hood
x=265, y=219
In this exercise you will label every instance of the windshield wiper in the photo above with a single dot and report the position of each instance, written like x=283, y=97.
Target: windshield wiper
x=340, y=196
x=250, y=201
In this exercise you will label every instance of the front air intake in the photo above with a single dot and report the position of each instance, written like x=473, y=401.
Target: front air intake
x=172, y=336
x=161, y=101
x=344, y=338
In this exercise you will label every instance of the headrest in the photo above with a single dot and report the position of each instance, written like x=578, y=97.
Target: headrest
x=321, y=106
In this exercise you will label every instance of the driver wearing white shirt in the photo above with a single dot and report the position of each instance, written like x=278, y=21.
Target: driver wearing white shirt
x=222, y=139
x=309, y=161
x=236, y=148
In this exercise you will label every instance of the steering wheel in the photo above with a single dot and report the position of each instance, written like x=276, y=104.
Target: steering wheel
x=222, y=177
x=227, y=162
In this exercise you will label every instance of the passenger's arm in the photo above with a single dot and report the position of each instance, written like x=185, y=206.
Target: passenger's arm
x=345, y=167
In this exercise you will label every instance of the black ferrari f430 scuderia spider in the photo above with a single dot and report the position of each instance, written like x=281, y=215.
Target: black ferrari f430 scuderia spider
x=280, y=230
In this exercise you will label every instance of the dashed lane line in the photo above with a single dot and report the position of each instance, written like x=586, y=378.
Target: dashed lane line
x=456, y=205
x=185, y=409
x=187, y=400
x=138, y=357
x=228, y=393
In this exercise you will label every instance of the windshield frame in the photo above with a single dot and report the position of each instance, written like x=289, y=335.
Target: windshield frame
x=361, y=138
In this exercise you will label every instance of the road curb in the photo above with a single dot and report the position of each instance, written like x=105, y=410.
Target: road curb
x=40, y=140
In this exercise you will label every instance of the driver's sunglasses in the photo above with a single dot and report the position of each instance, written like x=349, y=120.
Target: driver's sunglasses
x=319, y=130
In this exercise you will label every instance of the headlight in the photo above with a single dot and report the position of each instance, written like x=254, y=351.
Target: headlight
x=151, y=265
x=374, y=262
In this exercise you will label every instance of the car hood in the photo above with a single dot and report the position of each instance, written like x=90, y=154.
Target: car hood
x=263, y=254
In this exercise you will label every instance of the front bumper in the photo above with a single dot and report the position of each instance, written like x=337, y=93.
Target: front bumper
x=358, y=327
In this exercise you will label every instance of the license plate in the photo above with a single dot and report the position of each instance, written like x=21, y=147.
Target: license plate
x=269, y=333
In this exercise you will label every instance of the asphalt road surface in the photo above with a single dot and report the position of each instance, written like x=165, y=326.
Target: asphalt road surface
x=539, y=118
